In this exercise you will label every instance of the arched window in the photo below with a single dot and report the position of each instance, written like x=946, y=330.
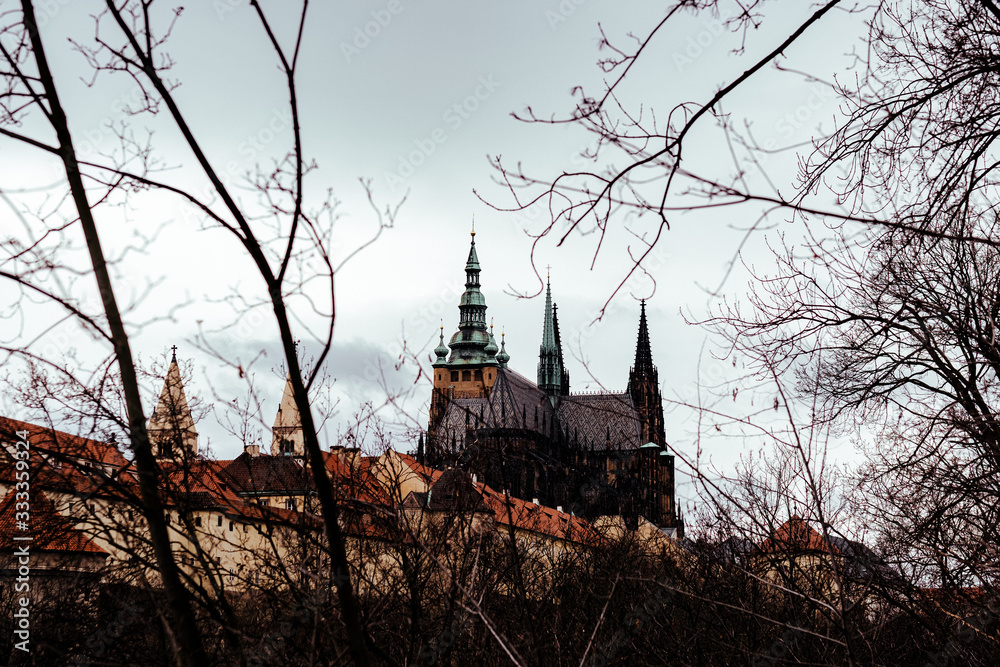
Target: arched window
x=466, y=376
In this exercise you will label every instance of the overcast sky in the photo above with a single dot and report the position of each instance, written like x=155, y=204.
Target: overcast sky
x=415, y=95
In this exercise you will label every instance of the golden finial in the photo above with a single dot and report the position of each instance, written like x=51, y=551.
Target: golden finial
x=473, y=225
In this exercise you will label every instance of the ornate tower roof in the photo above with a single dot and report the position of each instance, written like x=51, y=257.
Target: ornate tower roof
x=549, y=366
x=441, y=351
x=171, y=426
x=491, y=347
x=469, y=344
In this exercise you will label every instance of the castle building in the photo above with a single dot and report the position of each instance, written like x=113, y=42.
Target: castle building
x=593, y=454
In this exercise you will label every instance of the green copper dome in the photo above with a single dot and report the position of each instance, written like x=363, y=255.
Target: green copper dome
x=441, y=350
x=491, y=347
x=503, y=357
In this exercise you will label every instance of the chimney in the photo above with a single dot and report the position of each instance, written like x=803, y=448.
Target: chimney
x=559, y=508
x=252, y=450
x=535, y=501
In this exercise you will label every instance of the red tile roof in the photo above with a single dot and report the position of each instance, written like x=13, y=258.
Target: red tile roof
x=506, y=510
x=795, y=535
x=50, y=531
x=51, y=440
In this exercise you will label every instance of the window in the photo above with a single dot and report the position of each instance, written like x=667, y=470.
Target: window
x=290, y=504
x=454, y=376
x=197, y=521
x=466, y=376
x=168, y=517
x=230, y=526
x=479, y=375
x=220, y=520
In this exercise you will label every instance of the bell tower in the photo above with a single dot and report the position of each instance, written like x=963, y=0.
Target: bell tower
x=467, y=366
x=172, y=434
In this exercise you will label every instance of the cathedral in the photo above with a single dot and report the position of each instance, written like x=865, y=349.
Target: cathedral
x=591, y=454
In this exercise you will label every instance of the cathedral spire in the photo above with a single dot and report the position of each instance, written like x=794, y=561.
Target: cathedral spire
x=644, y=386
x=171, y=426
x=549, y=367
x=643, y=367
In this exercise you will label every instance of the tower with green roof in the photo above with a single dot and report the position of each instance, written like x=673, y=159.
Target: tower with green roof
x=467, y=366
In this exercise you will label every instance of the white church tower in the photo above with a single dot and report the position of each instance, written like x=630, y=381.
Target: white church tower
x=171, y=427
x=287, y=438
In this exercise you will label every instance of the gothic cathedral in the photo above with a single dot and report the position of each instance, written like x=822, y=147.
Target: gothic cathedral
x=591, y=454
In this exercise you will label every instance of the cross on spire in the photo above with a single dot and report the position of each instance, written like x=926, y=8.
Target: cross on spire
x=173, y=358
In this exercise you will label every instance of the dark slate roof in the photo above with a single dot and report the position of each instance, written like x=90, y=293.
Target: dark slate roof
x=593, y=421
x=513, y=403
x=268, y=474
x=600, y=421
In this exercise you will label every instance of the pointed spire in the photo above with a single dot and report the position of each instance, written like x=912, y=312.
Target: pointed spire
x=286, y=435
x=644, y=386
x=491, y=347
x=171, y=425
x=503, y=357
x=441, y=351
x=643, y=355
x=549, y=368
